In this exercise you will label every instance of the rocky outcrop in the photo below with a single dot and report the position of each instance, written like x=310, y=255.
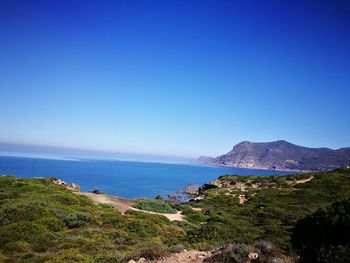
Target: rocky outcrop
x=71, y=186
x=281, y=155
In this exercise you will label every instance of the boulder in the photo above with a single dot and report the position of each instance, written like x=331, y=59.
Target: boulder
x=253, y=255
x=74, y=187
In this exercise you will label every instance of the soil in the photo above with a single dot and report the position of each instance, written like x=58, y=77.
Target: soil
x=186, y=256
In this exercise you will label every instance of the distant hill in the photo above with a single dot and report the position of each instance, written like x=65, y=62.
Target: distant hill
x=281, y=155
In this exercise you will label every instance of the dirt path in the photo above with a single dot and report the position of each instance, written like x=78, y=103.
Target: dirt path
x=190, y=256
x=122, y=204
x=303, y=181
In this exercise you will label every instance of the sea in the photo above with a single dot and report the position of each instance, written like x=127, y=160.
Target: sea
x=124, y=178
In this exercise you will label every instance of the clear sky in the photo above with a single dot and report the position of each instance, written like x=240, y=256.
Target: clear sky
x=181, y=78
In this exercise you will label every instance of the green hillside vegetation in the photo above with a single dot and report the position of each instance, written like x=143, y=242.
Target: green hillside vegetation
x=44, y=222
x=154, y=205
x=272, y=209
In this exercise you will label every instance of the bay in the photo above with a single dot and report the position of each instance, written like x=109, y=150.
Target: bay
x=129, y=179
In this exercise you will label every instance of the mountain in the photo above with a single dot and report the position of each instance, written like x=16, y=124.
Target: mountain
x=205, y=159
x=281, y=155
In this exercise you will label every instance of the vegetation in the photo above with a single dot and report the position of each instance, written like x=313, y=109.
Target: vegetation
x=44, y=222
x=324, y=236
x=275, y=204
x=154, y=205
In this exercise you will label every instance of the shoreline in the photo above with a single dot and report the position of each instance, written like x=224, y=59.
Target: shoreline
x=259, y=168
x=123, y=204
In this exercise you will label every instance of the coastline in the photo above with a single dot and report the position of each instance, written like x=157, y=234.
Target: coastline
x=257, y=168
x=123, y=204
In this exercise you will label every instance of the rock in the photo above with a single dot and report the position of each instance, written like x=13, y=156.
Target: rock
x=132, y=261
x=60, y=182
x=281, y=155
x=205, y=159
x=253, y=255
x=73, y=187
x=142, y=260
x=242, y=199
x=171, y=196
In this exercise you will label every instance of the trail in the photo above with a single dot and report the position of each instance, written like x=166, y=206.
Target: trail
x=186, y=256
x=122, y=205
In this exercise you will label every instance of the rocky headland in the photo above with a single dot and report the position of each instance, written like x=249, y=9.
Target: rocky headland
x=280, y=155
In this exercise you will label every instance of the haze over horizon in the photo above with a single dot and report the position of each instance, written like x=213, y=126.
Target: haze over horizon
x=177, y=78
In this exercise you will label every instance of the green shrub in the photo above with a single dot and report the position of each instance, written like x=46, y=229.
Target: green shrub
x=154, y=205
x=111, y=218
x=17, y=247
x=183, y=208
x=159, y=197
x=51, y=223
x=65, y=199
x=4, y=195
x=36, y=235
x=120, y=237
x=78, y=219
x=10, y=213
x=70, y=256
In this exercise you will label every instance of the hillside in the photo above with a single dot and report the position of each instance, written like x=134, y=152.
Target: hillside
x=264, y=206
x=281, y=155
x=41, y=221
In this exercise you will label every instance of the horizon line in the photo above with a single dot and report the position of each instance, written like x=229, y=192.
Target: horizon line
x=89, y=150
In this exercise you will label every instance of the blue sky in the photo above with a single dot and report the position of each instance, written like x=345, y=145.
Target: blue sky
x=180, y=78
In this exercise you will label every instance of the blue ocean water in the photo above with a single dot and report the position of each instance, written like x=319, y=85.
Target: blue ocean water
x=130, y=179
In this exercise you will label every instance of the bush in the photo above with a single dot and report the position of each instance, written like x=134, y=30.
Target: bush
x=17, y=247
x=65, y=199
x=154, y=205
x=324, y=236
x=78, y=219
x=70, y=256
x=111, y=218
x=177, y=249
x=4, y=195
x=152, y=252
x=159, y=197
x=36, y=235
x=183, y=208
x=51, y=223
x=11, y=213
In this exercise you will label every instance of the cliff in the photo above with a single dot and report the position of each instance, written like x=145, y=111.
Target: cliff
x=281, y=155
